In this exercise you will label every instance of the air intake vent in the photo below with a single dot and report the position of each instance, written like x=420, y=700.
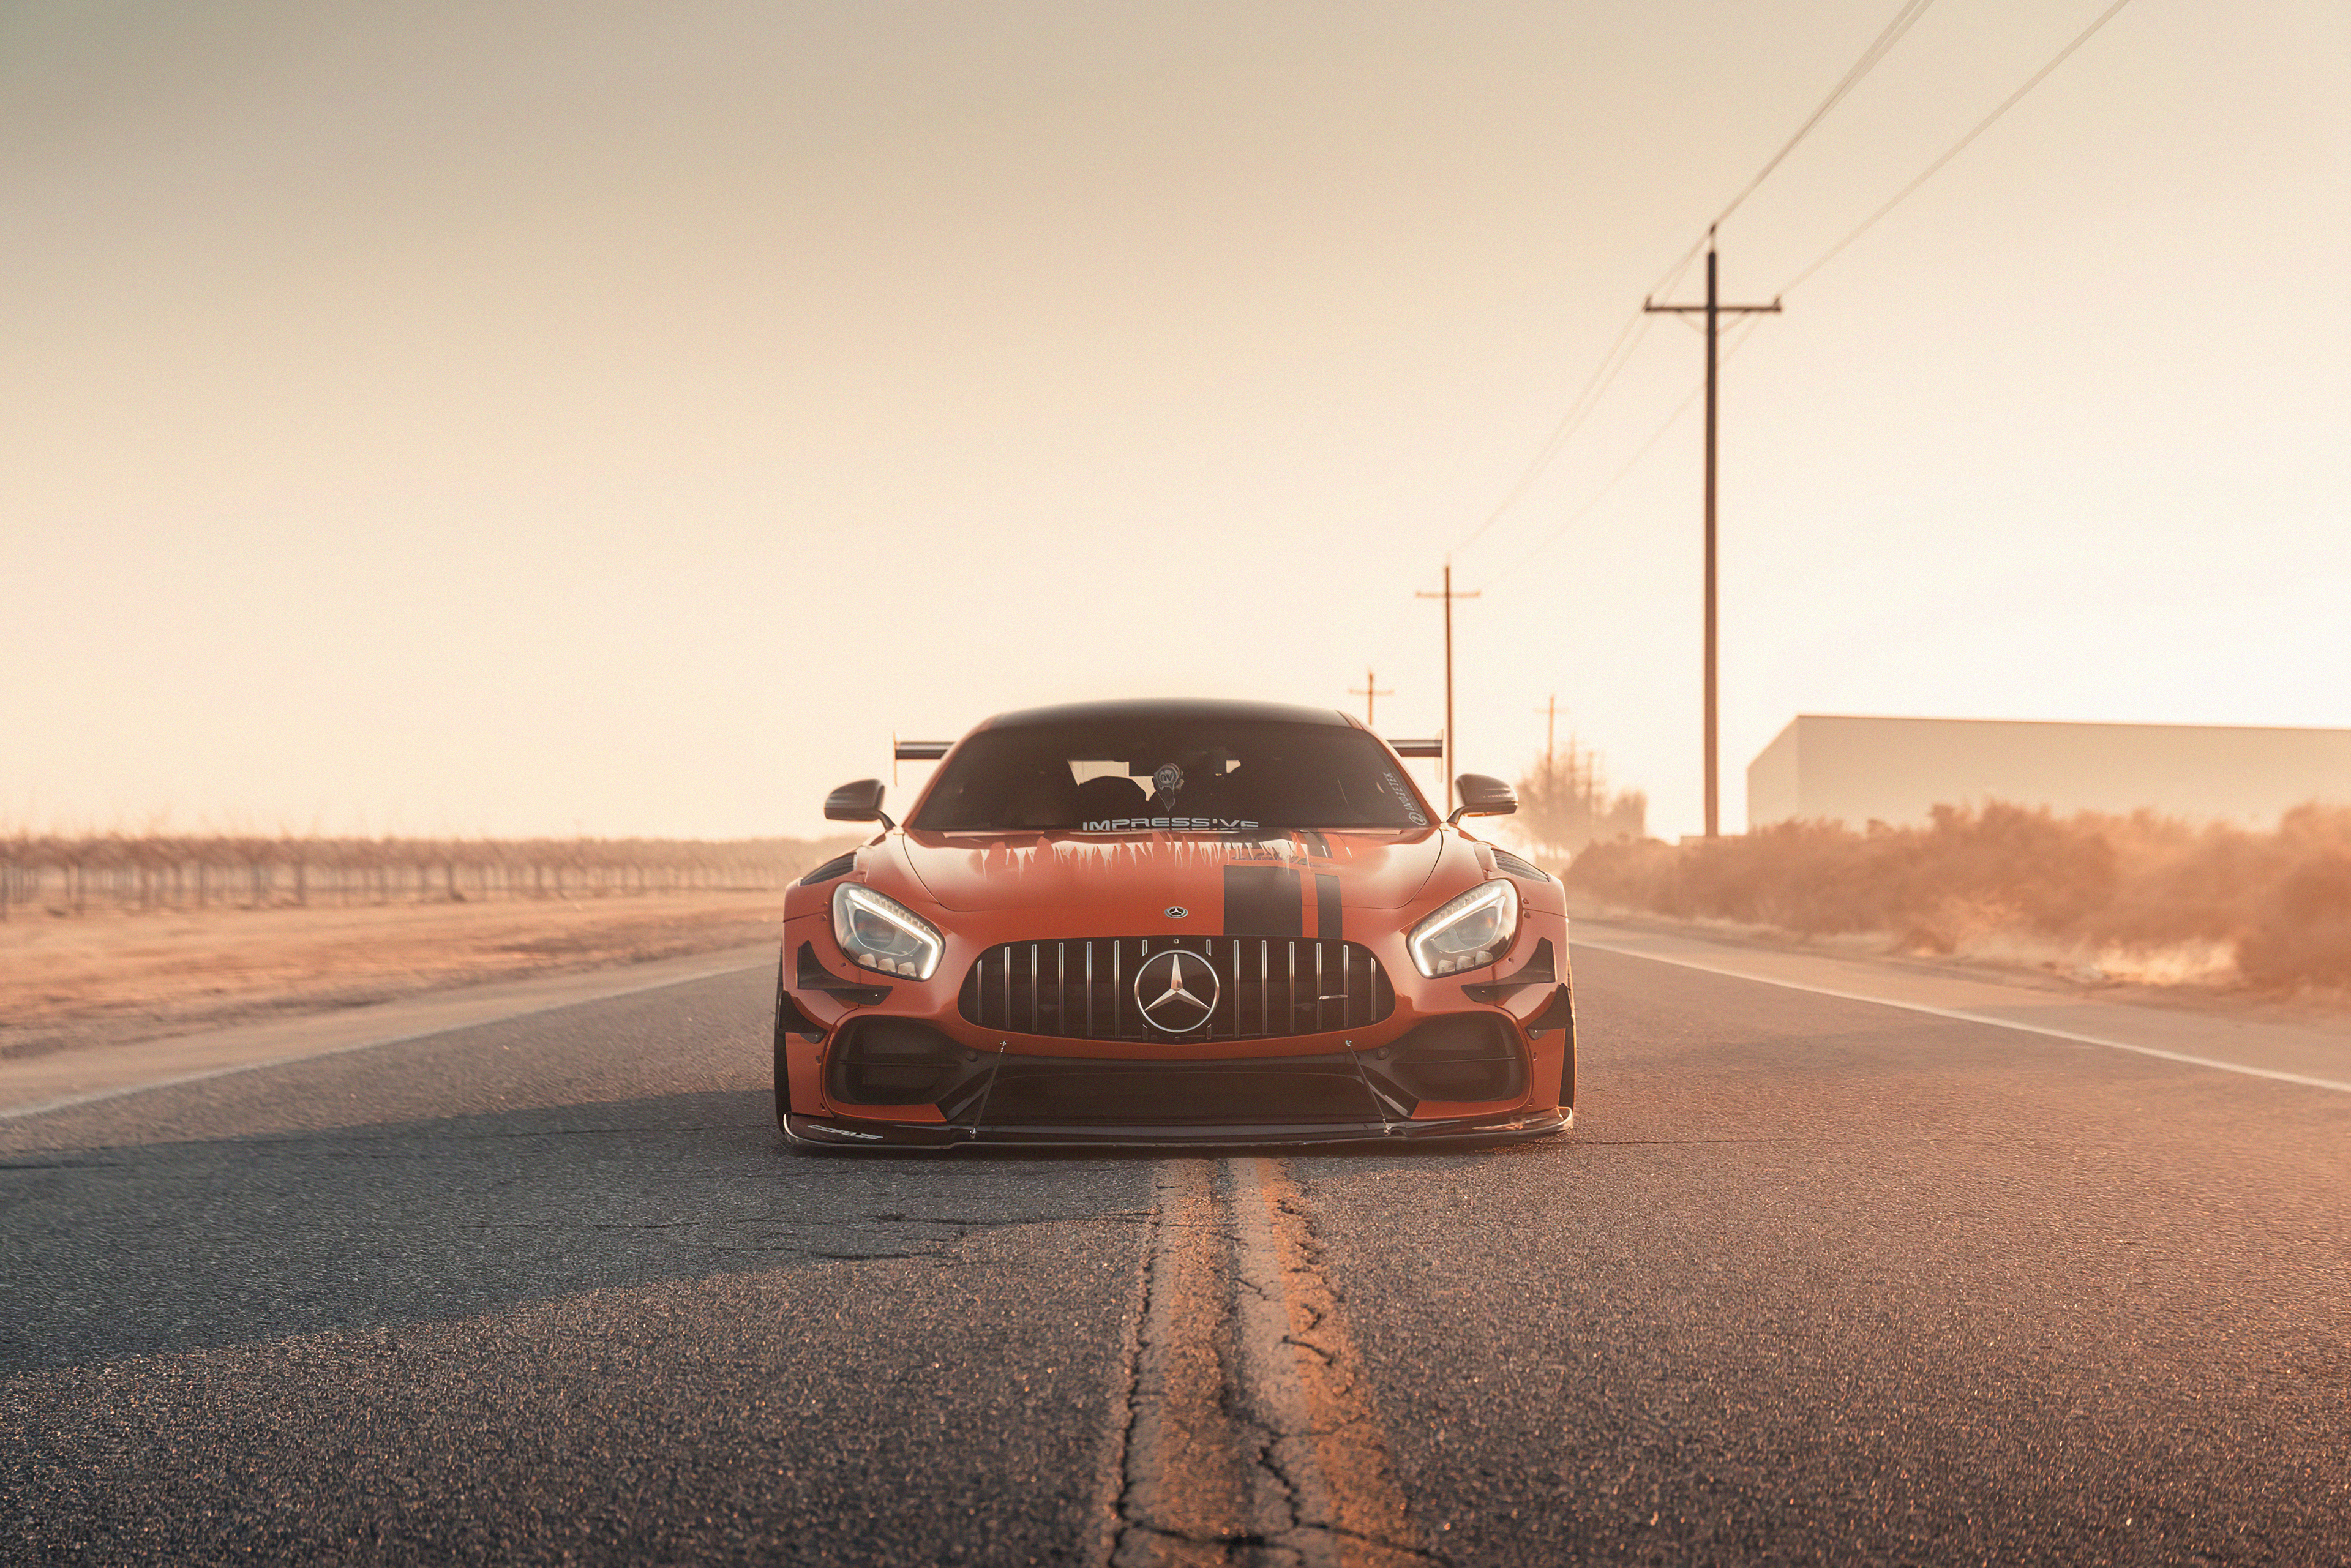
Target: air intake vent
x=1465, y=1056
x=892, y=1061
x=1518, y=867
x=1263, y=987
x=829, y=870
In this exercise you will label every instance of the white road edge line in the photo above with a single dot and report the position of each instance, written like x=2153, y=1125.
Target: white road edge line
x=66, y=1101
x=2304, y=1080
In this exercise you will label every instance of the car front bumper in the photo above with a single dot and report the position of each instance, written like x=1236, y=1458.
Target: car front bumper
x=833, y=1133
x=958, y=1083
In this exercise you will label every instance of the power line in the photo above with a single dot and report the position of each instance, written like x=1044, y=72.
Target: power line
x=1904, y=20
x=1673, y=275
x=1636, y=325
x=1745, y=330
x=1959, y=146
x=1628, y=338
x=1604, y=375
x=1601, y=494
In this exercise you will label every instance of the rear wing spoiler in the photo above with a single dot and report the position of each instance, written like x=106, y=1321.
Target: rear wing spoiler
x=932, y=750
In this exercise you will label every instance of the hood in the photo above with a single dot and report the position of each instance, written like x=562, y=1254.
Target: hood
x=1224, y=880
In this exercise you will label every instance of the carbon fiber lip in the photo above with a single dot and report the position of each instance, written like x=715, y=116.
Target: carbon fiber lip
x=818, y=1132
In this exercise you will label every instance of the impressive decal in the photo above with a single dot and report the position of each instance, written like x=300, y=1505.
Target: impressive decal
x=1168, y=781
x=1163, y=992
x=1177, y=824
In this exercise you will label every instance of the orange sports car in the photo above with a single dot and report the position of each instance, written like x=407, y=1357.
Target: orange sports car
x=1172, y=923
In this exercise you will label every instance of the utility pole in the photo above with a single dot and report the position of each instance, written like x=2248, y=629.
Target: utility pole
x=1550, y=711
x=1714, y=310
x=1451, y=756
x=1371, y=693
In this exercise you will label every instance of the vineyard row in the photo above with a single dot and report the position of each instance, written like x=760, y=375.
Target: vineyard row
x=75, y=876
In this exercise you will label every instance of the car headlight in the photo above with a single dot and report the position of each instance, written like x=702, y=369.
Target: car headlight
x=882, y=933
x=1469, y=932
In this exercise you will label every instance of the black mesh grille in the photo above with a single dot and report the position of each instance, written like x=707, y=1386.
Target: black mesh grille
x=1468, y=1056
x=892, y=1061
x=1267, y=988
x=1048, y=1090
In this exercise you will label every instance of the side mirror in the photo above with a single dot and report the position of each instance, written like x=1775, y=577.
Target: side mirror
x=858, y=803
x=1483, y=795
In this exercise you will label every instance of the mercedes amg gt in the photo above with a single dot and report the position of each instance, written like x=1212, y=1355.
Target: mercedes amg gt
x=1172, y=923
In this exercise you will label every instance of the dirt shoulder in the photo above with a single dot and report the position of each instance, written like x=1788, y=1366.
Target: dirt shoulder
x=99, y=980
x=2045, y=968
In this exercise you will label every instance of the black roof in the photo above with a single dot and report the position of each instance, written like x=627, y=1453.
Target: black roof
x=1167, y=708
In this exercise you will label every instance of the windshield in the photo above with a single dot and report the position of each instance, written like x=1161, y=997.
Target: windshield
x=1184, y=775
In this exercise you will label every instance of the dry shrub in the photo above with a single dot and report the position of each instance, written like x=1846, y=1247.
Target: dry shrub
x=2304, y=934
x=2152, y=895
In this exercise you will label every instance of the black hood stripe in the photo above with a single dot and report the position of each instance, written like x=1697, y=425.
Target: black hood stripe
x=1262, y=901
x=1326, y=906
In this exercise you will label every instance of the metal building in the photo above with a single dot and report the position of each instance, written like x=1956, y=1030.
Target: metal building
x=1857, y=769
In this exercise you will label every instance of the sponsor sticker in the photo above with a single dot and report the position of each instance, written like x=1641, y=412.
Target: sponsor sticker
x=1403, y=797
x=1171, y=824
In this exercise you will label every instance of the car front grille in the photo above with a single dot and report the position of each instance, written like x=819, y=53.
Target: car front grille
x=1267, y=988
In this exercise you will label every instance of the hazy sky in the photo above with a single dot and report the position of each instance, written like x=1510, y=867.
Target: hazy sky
x=619, y=418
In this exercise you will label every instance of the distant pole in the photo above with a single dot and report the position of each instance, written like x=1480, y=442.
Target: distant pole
x=1371, y=693
x=1714, y=310
x=1550, y=710
x=1452, y=755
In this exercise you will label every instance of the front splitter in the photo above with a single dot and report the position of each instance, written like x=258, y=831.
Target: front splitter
x=829, y=1133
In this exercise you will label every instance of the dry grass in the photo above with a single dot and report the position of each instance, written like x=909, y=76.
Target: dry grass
x=79, y=873
x=2141, y=898
x=112, y=979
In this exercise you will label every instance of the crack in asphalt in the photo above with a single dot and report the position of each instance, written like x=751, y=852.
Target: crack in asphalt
x=1246, y=1439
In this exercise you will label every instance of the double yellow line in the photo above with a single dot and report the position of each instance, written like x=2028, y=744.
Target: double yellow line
x=1250, y=1419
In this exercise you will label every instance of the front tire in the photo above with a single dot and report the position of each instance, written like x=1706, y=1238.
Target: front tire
x=783, y=1068
x=1567, y=1057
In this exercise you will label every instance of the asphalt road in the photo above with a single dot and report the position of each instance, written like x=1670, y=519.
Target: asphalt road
x=1813, y=1281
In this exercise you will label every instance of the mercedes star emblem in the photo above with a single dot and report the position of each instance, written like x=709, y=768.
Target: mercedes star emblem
x=1162, y=991
x=1176, y=912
